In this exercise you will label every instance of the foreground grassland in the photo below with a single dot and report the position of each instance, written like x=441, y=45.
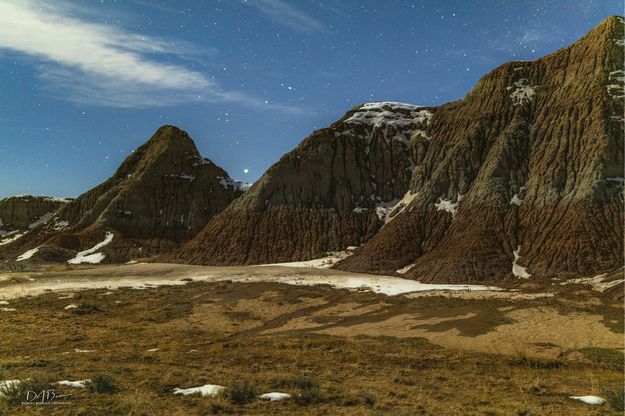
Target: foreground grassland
x=333, y=350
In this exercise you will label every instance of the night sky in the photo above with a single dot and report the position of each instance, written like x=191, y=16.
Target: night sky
x=86, y=82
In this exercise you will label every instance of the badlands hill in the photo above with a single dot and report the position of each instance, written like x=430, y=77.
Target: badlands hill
x=21, y=213
x=160, y=196
x=334, y=190
x=521, y=178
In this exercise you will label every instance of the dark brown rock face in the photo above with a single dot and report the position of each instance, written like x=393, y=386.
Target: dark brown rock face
x=160, y=196
x=20, y=212
x=331, y=192
x=524, y=176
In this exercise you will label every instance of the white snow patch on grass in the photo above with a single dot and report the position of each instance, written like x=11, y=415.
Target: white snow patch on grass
x=7, y=309
x=27, y=254
x=275, y=396
x=79, y=384
x=71, y=306
x=67, y=296
x=83, y=351
x=207, y=390
x=152, y=350
x=517, y=270
x=3, y=302
x=7, y=384
x=522, y=93
x=589, y=399
x=90, y=255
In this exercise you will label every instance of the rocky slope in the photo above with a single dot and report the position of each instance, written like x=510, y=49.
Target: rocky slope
x=160, y=196
x=523, y=178
x=331, y=192
x=23, y=212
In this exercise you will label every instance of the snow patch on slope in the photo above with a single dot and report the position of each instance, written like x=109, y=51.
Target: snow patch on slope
x=401, y=206
x=517, y=270
x=522, y=92
x=44, y=218
x=447, y=205
x=228, y=182
x=90, y=255
x=27, y=254
x=516, y=200
x=11, y=237
x=616, y=90
x=320, y=263
x=596, y=282
x=405, y=270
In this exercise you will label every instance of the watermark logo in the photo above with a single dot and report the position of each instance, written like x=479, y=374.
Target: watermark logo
x=45, y=398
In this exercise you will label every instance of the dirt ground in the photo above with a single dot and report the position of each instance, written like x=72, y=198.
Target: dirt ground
x=153, y=328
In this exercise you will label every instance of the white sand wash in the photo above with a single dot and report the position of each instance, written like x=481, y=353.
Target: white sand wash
x=143, y=276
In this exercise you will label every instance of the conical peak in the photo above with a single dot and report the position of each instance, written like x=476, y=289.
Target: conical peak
x=170, y=133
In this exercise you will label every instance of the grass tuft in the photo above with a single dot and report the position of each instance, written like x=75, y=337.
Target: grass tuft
x=102, y=383
x=241, y=393
x=616, y=398
x=85, y=308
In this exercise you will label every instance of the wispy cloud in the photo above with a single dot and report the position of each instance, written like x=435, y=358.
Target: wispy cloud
x=528, y=37
x=288, y=15
x=97, y=64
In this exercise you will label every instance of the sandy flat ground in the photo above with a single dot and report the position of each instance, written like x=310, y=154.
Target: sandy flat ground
x=159, y=274
x=478, y=318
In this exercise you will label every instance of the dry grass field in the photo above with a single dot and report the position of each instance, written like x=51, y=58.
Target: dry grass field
x=337, y=352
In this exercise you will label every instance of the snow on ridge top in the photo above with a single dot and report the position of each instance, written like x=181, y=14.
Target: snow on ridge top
x=392, y=104
x=228, y=182
x=390, y=113
x=45, y=198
